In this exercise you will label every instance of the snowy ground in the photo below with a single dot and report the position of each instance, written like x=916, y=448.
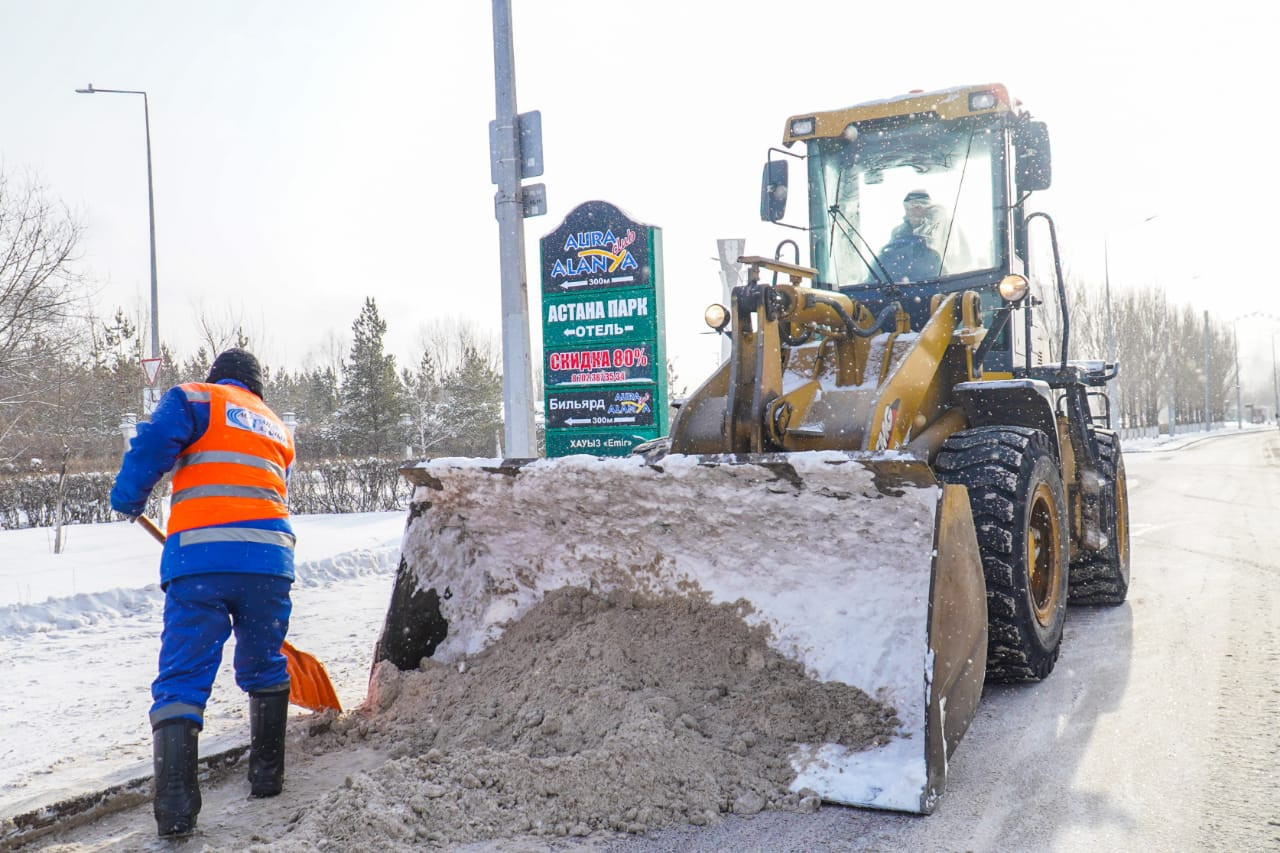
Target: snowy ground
x=79, y=635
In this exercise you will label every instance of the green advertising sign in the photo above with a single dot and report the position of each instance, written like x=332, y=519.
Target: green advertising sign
x=604, y=346
x=563, y=442
x=587, y=318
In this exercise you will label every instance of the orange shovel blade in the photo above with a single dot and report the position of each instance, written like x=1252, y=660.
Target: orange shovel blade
x=309, y=684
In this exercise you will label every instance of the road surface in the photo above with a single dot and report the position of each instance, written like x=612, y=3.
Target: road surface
x=1158, y=728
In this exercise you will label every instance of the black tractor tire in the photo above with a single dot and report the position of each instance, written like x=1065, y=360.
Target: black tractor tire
x=1020, y=515
x=1102, y=577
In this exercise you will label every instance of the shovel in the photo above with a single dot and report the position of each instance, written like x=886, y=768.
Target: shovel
x=309, y=684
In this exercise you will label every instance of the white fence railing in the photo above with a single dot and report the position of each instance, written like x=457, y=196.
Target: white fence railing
x=1184, y=430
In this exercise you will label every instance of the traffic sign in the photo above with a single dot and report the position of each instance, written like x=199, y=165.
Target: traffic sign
x=151, y=367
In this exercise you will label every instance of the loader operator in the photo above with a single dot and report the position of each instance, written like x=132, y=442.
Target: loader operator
x=227, y=565
x=909, y=255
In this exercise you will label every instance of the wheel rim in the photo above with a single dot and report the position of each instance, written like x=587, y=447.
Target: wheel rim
x=1122, y=518
x=1042, y=554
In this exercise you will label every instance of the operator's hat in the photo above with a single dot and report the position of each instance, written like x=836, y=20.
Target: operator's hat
x=917, y=195
x=239, y=365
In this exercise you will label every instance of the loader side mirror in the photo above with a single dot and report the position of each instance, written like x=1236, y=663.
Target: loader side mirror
x=1034, y=169
x=773, y=191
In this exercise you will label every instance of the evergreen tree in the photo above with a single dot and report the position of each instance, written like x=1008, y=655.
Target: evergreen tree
x=318, y=413
x=471, y=403
x=195, y=368
x=372, y=396
x=114, y=383
x=423, y=404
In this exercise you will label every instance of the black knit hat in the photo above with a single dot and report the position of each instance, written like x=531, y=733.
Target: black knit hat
x=239, y=365
x=917, y=195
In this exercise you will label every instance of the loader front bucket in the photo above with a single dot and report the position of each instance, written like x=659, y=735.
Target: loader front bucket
x=863, y=567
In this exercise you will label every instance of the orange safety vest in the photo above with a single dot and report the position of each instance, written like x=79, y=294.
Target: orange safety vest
x=236, y=470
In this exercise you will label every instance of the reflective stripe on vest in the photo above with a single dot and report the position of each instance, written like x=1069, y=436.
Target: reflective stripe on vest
x=235, y=471
x=205, y=535
x=195, y=492
x=211, y=456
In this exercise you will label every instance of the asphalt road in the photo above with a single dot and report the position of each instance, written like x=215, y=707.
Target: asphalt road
x=1158, y=728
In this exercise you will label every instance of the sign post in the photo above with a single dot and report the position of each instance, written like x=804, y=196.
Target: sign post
x=604, y=341
x=150, y=394
x=516, y=153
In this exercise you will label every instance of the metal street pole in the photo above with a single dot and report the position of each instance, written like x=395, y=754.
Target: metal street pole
x=517, y=377
x=1206, y=371
x=151, y=210
x=1173, y=387
x=1235, y=331
x=1106, y=276
x=1275, y=383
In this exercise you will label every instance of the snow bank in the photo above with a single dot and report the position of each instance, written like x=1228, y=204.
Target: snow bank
x=110, y=571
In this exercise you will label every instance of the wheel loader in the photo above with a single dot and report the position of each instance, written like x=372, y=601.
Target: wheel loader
x=897, y=471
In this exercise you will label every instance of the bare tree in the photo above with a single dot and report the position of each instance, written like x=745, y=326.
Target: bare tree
x=38, y=289
x=39, y=292
x=218, y=330
x=331, y=353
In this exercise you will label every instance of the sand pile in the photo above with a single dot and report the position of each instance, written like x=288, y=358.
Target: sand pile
x=589, y=715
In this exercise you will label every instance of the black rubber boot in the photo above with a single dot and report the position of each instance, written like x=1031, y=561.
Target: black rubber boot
x=268, y=713
x=175, y=753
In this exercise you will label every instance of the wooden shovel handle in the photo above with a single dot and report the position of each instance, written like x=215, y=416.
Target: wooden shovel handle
x=151, y=527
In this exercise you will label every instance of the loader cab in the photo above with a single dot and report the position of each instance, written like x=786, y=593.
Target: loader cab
x=917, y=195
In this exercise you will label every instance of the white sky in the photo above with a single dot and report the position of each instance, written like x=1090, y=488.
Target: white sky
x=308, y=154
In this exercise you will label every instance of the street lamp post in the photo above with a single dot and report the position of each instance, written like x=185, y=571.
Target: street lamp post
x=1235, y=333
x=151, y=209
x=1207, y=426
x=1275, y=383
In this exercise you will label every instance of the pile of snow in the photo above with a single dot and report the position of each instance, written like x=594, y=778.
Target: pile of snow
x=591, y=714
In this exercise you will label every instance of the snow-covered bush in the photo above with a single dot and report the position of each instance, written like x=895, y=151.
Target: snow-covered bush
x=323, y=486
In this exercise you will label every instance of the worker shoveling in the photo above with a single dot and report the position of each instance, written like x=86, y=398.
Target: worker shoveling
x=890, y=476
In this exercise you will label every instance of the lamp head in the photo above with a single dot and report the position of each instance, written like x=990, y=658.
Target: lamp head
x=88, y=91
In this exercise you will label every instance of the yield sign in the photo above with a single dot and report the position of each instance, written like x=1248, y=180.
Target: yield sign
x=151, y=367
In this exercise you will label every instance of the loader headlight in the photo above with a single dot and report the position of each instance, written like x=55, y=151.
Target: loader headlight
x=981, y=101
x=1014, y=288
x=717, y=317
x=803, y=126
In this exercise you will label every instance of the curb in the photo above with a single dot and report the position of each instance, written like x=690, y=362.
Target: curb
x=85, y=808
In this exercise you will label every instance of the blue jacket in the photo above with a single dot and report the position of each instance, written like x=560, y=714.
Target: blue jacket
x=176, y=424
x=910, y=258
